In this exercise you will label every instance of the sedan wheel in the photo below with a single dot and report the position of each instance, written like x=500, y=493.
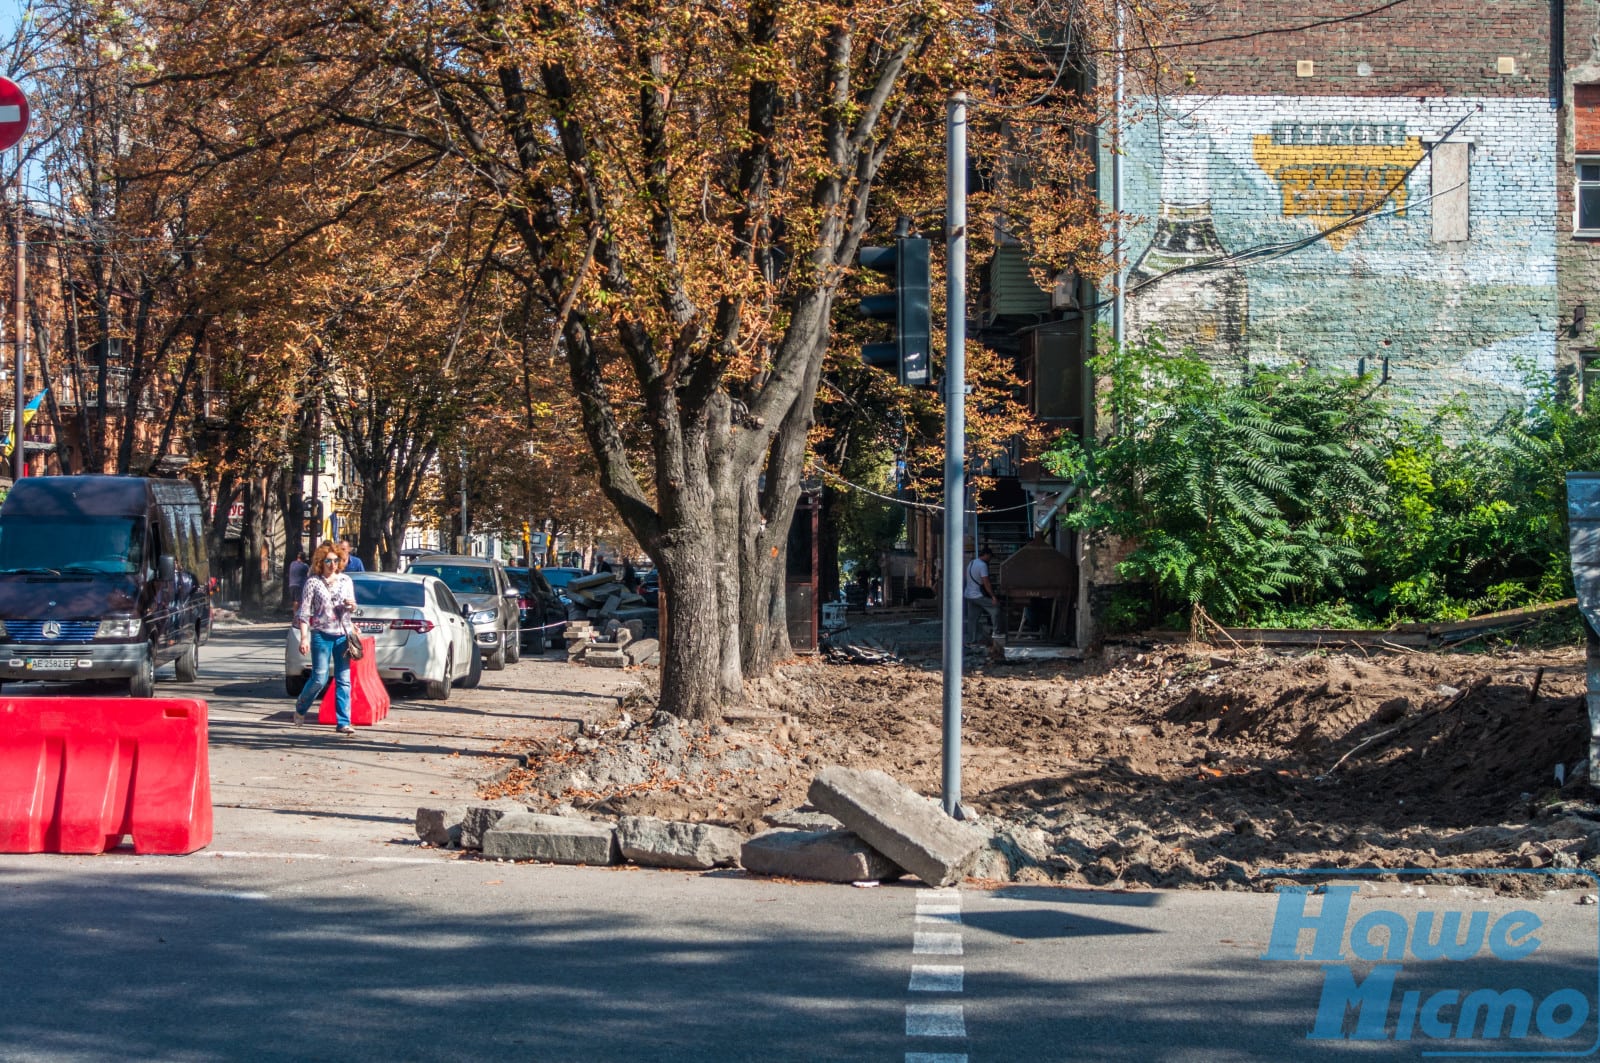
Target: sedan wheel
x=474, y=671
x=439, y=689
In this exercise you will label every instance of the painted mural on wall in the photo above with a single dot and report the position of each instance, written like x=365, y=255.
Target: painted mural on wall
x=1270, y=185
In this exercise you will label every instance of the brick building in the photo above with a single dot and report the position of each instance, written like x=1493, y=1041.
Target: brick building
x=1412, y=188
x=1381, y=187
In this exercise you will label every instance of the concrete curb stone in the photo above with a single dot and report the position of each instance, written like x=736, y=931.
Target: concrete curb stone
x=823, y=855
x=554, y=839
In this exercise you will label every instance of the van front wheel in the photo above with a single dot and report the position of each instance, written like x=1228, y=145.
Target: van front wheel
x=143, y=683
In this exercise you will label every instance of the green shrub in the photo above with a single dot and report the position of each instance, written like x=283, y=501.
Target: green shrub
x=1294, y=498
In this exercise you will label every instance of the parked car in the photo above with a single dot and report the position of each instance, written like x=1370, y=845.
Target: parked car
x=650, y=588
x=560, y=577
x=540, y=608
x=102, y=577
x=418, y=631
x=489, y=599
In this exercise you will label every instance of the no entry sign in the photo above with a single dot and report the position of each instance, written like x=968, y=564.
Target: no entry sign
x=13, y=113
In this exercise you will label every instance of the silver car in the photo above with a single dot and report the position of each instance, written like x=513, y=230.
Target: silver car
x=488, y=598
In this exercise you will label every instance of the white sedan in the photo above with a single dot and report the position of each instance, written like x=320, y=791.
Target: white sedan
x=417, y=626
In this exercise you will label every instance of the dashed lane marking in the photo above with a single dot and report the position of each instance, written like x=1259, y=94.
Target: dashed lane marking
x=935, y=1020
x=936, y=979
x=948, y=1020
x=927, y=943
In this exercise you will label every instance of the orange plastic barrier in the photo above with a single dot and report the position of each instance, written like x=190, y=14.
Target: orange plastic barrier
x=369, y=699
x=76, y=774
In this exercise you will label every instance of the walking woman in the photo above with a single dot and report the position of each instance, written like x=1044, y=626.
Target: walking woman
x=323, y=620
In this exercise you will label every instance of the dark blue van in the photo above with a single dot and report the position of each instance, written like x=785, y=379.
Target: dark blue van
x=102, y=577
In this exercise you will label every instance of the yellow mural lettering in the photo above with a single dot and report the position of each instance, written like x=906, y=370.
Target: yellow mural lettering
x=1329, y=174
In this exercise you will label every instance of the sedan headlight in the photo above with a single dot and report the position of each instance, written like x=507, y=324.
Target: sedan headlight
x=118, y=629
x=482, y=616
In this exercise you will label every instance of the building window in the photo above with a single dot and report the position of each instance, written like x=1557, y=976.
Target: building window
x=1588, y=374
x=1588, y=221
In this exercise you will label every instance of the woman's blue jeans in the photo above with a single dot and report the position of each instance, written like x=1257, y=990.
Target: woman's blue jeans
x=327, y=651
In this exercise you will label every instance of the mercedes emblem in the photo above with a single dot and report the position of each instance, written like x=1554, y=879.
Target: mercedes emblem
x=52, y=630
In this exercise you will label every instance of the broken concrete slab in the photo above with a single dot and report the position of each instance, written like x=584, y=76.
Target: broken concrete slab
x=480, y=818
x=822, y=855
x=441, y=827
x=803, y=819
x=600, y=656
x=652, y=842
x=641, y=650
x=597, y=579
x=908, y=828
x=621, y=637
x=553, y=839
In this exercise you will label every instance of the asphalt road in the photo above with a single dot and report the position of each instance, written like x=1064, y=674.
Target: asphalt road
x=315, y=929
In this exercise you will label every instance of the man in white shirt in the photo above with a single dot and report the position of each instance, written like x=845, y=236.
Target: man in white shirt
x=978, y=596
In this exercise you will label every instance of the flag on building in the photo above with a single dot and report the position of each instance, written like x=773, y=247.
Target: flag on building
x=27, y=416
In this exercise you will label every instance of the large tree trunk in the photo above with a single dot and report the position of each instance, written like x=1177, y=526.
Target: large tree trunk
x=295, y=506
x=252, y=582
x=768, y=515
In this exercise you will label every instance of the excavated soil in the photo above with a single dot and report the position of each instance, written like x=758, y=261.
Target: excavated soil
x=1176, y=768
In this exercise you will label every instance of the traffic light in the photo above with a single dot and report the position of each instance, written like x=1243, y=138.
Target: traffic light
x=314, y=515
x=907, y=354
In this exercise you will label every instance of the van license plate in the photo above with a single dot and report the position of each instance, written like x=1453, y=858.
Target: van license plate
x=52, y=664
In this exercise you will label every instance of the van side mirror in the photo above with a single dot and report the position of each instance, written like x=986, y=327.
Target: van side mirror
x=166, y=568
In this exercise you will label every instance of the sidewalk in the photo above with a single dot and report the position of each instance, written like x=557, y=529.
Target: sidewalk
x=282, y=789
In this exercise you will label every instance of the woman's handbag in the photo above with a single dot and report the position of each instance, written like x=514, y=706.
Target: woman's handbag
x=353, y=650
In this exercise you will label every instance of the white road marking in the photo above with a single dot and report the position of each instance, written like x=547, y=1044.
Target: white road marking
x=936, y=979
x=226, y=854
x=944, y=896
x=926, y=943
x=936, y=1057
x=935, y=1020
x=947, y=918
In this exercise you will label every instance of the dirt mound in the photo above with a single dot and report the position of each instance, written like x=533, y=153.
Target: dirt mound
x=1184, y=767
x=665, y=767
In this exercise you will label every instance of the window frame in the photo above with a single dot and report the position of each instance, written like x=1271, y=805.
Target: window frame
x=1578, y=185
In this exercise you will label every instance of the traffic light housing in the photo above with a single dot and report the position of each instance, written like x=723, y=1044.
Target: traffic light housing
x=907, y=355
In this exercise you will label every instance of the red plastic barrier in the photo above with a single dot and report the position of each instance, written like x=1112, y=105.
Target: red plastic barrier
x=76, y=774
x=369, y=699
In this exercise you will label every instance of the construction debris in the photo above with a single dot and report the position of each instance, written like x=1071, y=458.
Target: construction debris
x=554, y=839
x=820, y=855
x=908, y=828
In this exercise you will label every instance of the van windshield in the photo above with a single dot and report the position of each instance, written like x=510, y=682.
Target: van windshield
x=51, y=547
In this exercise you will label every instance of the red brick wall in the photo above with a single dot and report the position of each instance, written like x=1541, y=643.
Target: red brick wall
x=1418, y=48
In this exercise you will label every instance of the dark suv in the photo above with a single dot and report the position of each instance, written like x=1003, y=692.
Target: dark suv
x=488, y=601
x=542, y=610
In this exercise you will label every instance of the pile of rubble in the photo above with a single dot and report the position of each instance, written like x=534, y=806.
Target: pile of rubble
x=861, y=827
x=620, y=644
x=602, y=597
x=610, y=626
